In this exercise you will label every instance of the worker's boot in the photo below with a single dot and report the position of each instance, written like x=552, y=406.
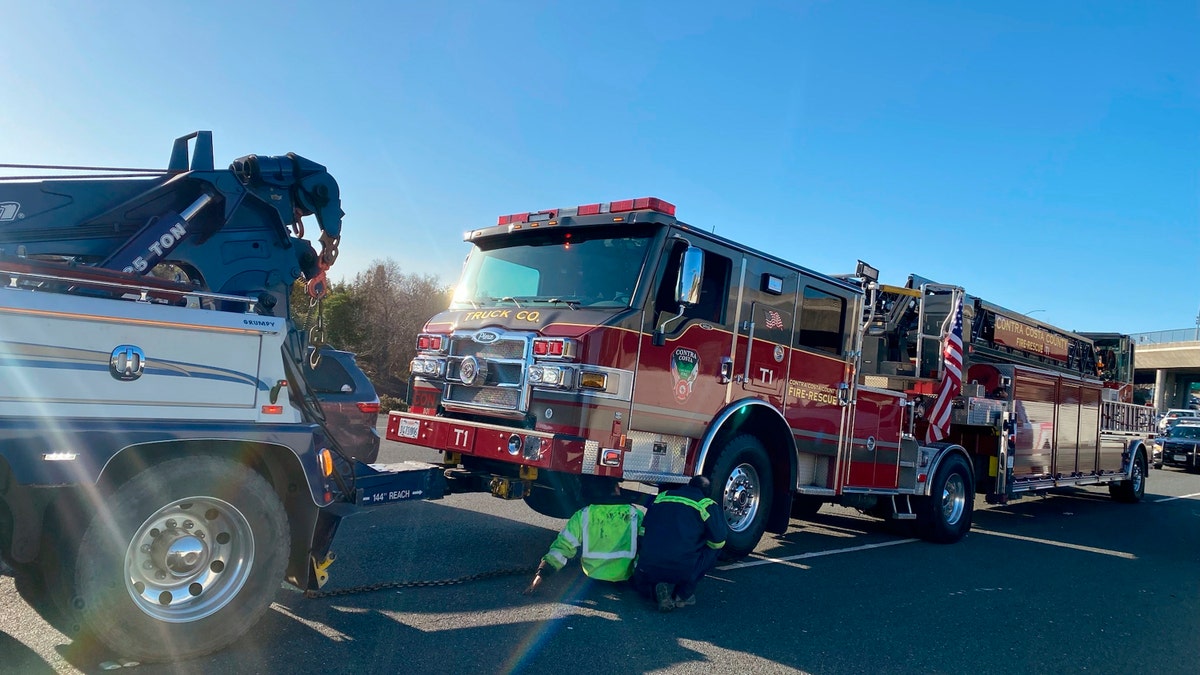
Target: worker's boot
x=685, y=602
x=663, y=592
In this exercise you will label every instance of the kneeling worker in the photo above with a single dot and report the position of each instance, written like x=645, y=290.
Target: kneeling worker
x=604, y=533
x=684, y=532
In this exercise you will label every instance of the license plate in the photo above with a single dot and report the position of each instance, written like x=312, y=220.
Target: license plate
x=1179, y=458
x=409, y=428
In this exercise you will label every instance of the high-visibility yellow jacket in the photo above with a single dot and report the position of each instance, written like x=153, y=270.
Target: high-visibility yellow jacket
x=608, y=537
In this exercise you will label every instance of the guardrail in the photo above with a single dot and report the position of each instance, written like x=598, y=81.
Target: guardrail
x=1163, y=336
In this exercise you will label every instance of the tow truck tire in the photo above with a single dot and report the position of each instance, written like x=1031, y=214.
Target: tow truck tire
x=741, y=484
x=944, y=517
x=1131, y=491
x=183, y=561
x=33, y=588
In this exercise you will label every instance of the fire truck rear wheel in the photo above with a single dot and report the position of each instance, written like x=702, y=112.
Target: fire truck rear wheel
x=1131, y=491
x=193, y=553
x=944, y=517
x=741, y=484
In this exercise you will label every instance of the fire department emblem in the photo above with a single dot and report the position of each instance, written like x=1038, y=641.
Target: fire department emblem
x=779, y=354
x=685, y=368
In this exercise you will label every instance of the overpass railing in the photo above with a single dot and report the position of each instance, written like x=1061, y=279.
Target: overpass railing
x=1162, y=336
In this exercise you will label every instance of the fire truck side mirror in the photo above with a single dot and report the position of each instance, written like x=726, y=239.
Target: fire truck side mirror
x=691, y=271
x=687, y=288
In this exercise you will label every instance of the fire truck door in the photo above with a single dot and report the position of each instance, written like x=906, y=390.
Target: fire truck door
x=875, y=441
x=764, y=331
x=682, y=383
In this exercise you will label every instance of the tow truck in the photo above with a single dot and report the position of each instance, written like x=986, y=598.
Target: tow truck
x=163, y=465
x=615, y=340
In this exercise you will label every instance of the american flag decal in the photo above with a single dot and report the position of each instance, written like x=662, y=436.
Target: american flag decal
x=951, y=384
x=774, y=320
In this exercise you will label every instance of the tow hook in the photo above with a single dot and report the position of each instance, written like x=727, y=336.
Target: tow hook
x=509, y=488
x=321, y=569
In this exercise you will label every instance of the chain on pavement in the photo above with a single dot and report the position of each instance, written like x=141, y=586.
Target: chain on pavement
x=368, y=588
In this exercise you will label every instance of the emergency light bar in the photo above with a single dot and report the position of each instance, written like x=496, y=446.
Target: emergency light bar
x=623, y=206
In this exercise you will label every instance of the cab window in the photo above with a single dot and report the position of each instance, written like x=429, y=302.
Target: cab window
x=822, y=321
x=714, y=288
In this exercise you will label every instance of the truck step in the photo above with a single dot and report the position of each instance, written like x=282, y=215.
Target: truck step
x=379, y=484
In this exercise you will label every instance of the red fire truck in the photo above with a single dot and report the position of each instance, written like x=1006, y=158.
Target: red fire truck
x=613, y=340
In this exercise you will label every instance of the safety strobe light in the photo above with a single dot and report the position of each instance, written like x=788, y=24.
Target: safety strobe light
x=550, y=216
x=554, y=348
x=429, y=343
x=642, y=204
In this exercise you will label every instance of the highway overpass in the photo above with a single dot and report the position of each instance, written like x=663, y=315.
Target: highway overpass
x=1171, y=360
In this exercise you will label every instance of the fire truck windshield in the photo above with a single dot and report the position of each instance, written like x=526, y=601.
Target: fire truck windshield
x=569, y=267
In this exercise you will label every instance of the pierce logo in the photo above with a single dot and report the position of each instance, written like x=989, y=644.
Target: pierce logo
x=10, y=211
x=486, y=337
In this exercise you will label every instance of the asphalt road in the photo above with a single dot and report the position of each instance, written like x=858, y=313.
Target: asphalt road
x=1060, y=584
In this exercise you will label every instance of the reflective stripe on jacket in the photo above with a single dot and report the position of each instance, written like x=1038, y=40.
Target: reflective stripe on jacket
x=607, y=535
x=679, y=526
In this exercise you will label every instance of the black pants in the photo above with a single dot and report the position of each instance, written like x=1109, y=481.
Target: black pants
x=684, y=577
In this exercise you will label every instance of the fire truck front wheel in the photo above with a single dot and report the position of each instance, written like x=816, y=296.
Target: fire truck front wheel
x=741, y=484
x=945, y=515
x=184, y=560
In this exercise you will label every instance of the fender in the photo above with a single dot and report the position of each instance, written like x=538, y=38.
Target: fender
x=64, y=452
x=719, y=423
x=1135, y=446
x=936, y=453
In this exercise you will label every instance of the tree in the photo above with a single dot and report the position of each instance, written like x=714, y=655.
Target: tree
x=377, y=316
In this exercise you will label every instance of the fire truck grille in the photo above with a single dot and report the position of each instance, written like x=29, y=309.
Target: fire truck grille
x=504, y=363
x=501, y=349
x=491, y=397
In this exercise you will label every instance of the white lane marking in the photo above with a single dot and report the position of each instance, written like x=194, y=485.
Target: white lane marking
x=1061, y=544
x=1171, y=499
x=813, y=554
x=333, y=634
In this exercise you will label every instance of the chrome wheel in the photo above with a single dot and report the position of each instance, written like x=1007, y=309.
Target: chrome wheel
x=954, y=499
x=1136, y=477
x=742, y=497
x=189, y=559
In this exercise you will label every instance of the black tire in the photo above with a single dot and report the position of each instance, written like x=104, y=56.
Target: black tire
x=945, y=516
x=560, y=497
x=1131, y=491
x=741, y=484
x=805, y=507
x=213, y=549
x=39, y=584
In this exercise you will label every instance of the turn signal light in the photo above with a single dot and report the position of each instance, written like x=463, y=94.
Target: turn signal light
x=593, y=380
x=326, y=459
x=272, y=410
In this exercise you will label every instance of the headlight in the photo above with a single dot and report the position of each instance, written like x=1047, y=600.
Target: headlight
x=429, y=367
x=559, y=377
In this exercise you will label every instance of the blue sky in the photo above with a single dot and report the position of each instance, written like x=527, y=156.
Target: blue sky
x=1045, y=156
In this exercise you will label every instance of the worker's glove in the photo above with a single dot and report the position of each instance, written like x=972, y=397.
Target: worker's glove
x=537, y=578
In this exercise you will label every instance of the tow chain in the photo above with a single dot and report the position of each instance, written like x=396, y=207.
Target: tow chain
x=316, y=334
x=385, y=585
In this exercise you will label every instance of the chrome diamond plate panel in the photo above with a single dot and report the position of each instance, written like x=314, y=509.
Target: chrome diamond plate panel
x=591, y=456
x=655, y=456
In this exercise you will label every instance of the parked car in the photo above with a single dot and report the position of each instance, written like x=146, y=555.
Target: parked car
x=1171, y=416
x=349, y=402
x=1181, y=445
